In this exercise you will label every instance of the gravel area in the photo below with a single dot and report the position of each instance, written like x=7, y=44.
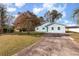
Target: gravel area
x=52, y=45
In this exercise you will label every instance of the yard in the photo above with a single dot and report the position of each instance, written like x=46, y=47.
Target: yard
x=52, y=46
x=15, y=42
x=75, y=36
x=12, y=43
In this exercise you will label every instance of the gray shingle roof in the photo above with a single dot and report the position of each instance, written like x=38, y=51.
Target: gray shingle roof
x=48, y=24
x=54, y=23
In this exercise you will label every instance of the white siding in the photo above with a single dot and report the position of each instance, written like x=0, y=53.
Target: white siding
x=40, y=29
x=55, y=30
x=48, y=28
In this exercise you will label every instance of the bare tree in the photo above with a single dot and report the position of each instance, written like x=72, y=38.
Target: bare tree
x=76, y=15
x=53, y=15
x=3, y=15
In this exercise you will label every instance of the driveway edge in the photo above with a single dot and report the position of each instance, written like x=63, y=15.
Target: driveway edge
x=25, y=50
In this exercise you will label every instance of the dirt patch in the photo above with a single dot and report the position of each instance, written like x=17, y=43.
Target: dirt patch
x=52, y=46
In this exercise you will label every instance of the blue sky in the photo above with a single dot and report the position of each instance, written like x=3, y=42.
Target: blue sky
x=41, y=8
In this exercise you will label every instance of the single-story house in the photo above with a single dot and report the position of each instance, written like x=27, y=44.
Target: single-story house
x=51, y=28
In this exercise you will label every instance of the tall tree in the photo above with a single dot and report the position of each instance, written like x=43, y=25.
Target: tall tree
x=27, y=20
x=42, y=21
x=76, y=15
x=2, y=15
x=53, y=15
x=47, y=16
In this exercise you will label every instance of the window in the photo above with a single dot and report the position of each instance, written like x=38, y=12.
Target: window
x=52, y=28
x=58, y=28
x=43, y=28
x=37, y=28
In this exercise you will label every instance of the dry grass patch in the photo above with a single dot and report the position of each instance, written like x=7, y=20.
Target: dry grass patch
x=10, y=44
x=75, y=36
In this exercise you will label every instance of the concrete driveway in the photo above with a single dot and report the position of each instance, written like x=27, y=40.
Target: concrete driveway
x=52, y=45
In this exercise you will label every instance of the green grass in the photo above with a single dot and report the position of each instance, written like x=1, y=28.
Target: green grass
x=13, y=43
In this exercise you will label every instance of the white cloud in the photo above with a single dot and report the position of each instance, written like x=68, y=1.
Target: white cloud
x=48, y=5
x=19, y=4
x=51, y=6
x=9, y=4
x=64, y=7
x=64, y=14
x=45, y=6
x=66, y=21
x=37, y=10
x=10, y=9
x=71, y=24
x=16, y=15
x=59, y=8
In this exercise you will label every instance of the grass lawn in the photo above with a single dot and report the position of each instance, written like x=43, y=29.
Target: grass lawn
x=13, y=43
x=75, y=36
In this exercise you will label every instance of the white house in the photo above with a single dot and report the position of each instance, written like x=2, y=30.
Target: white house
x=42, y=28
x=51, y=28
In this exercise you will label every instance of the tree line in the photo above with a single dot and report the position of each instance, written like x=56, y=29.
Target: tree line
x=27, y=21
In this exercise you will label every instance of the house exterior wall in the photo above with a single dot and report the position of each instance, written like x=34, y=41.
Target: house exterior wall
x=55, y=28
x=48, y=29
x=40, y=29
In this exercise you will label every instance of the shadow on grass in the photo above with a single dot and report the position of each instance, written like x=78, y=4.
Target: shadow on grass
x=31, y=33
x=56, y=34
x=36, y=34
x=71, y=32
